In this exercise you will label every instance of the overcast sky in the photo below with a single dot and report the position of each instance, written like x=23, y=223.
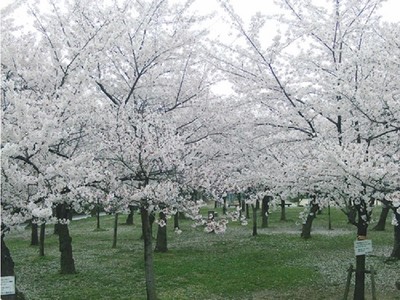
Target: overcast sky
x=247, y=8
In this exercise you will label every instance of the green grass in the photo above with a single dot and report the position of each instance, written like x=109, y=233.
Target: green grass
x=276, y=264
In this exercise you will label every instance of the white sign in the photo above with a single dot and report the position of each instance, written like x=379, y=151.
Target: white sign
x=8, y=285
x=363, y=247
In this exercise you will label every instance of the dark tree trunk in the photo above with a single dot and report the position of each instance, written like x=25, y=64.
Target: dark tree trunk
x=161, y=243
x=380, y=226
x=7, y=263
x=98, y=215
x=254, y=208
x=224, y=207
x=265, y=211
x=359, y=289
x=329, y=218
x=55, y=229
x=64, y=215
x=34, y=234
x=247, y=211
x=396, y=247
x=42, y=236
x=129, y=219
x=67, y=260
x=151, y=221
x=241, y=205
x=283, y=210
x=306, y=229
x=114, y=244
x=65, y=241
x=176, y=220
x=152, y=218
x=148, y=255
x=58, y=214
x=215, y=204
x=362, y=227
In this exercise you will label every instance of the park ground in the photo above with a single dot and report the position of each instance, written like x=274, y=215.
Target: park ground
x=275, y=264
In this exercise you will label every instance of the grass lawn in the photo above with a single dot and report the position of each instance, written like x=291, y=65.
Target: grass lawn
x=276, y=264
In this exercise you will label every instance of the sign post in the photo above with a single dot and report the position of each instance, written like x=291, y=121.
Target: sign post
x=8, y=287
x=363, y=247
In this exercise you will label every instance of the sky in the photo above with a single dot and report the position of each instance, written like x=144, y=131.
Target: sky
x=390, y=9
x=246, y=9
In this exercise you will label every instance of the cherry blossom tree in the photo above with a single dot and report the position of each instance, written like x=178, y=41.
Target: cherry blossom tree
x=127, y=89
x=326, y=88
x=152, y=82
x=44, y=122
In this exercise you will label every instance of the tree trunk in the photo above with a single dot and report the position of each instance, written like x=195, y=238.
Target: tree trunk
x=224, y=207
x=306, y=229
x=129, y=219
x=98, y=215
x=176, y=220
x=265, y=211
x=42, y=236
x=380, y=226
x=283, y=210
x=114, y=244
x=359, y=289
x=362, y=227
x=148, y=255
x=55, y=229
x=152, y=218
x=241, y=205
x=57, y=213
x=67, y=260
x=34, y=234
x=247, y=211
x=254, y=208
x=161, y=244
x=396, y=247
x=151, y=221
x=65, y=241
x=329, y=218
x=7, y=263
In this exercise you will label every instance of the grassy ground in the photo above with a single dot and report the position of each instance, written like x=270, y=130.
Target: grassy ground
x=276, y=264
